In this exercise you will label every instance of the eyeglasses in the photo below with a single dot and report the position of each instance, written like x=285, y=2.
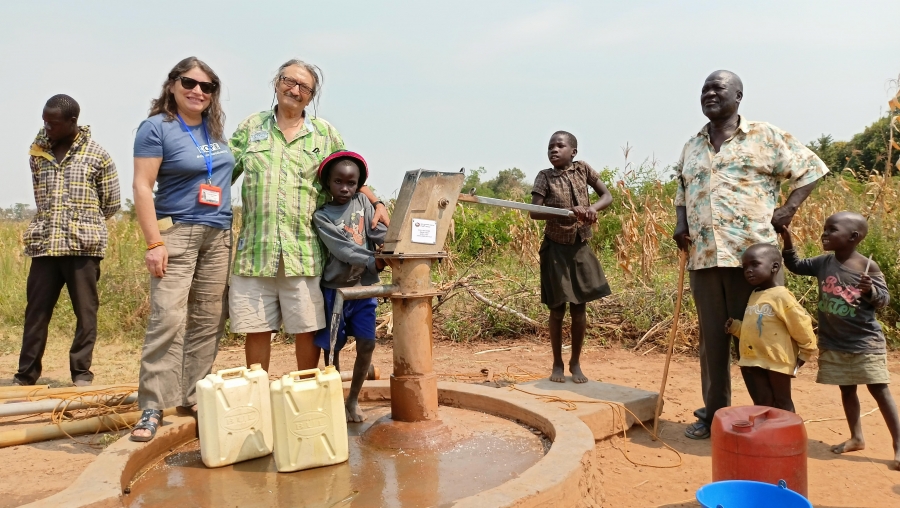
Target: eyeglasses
x=291, y=83
x=191, y=83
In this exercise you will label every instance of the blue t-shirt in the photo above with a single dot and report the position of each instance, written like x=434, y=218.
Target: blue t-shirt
x=183, y=170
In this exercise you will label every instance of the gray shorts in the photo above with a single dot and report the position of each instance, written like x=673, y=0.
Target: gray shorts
x=262, y=304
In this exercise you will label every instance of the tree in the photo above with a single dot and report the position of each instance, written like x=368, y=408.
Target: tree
x=865, y=152
x=18, y=211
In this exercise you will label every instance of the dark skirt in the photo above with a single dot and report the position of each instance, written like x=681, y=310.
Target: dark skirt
x=570, y=273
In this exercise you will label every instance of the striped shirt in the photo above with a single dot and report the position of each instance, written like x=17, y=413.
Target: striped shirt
x=74, y=197
x=279, y=195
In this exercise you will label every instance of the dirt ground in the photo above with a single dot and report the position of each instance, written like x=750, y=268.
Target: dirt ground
x=859, y=479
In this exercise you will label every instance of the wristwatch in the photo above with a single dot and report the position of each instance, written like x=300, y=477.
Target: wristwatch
x=379, y=202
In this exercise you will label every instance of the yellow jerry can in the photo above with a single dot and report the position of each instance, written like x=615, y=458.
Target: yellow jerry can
x=308, y=419
x=234, y=416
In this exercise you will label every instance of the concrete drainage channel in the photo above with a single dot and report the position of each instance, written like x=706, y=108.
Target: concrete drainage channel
x=563, y=477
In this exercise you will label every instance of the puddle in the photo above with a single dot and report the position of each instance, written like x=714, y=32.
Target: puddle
x=494, y=451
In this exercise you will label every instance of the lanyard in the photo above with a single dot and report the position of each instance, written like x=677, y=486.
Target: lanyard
x=207, y=155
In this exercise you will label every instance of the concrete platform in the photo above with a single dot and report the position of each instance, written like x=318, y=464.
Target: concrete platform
x=604, y=420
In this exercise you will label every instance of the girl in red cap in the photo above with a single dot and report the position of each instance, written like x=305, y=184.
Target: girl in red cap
x=342, y=225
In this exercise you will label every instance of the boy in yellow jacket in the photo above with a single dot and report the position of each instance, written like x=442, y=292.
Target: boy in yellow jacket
x=776, y=335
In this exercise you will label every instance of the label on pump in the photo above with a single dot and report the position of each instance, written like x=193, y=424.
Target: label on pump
x=424, y=231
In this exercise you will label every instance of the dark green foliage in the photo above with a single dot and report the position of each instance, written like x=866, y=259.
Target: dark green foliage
x=864, y=153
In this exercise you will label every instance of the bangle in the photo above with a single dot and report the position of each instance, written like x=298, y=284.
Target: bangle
x=379, y=202
x=155, y=245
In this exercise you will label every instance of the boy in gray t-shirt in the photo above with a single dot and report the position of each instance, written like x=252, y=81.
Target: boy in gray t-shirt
x=343, y=226
x=851, y=342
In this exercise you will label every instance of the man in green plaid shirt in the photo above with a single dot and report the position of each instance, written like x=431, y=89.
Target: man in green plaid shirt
x=279, y=259
x=76, y=188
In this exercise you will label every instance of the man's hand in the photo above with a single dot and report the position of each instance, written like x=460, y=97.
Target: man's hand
x=381, y=216
x=157, y=260
x=782, y=217
x=682, y=236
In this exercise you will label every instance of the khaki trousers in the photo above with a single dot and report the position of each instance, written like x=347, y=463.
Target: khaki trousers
x=187, y=316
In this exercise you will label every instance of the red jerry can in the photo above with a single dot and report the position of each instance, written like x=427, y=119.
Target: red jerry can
x=759, y=443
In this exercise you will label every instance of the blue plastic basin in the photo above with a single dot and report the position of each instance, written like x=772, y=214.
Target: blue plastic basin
x=747, y=494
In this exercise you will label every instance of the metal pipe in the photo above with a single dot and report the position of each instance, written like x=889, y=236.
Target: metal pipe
x=33, y=434
x=36, y=391
x=528, y=207
x=50, y=405
x=353, y=293
x=413, y=382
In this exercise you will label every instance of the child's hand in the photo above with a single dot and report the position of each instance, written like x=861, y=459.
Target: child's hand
x=585, y=214
x=728, y=325
x=786, y=234
x=865, y=284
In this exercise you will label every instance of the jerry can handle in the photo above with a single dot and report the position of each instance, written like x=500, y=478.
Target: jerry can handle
x=764, y=415
x=302, y=373
x=782, y=484
x=232, y=372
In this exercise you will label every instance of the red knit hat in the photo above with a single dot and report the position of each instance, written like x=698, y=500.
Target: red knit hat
x=345, y=154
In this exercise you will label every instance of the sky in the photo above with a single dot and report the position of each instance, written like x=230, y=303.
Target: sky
x=446, y=85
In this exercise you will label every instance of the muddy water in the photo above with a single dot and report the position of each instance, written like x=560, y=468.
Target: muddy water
x=493, y=451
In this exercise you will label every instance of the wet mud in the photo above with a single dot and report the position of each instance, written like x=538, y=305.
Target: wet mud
x=488, y=452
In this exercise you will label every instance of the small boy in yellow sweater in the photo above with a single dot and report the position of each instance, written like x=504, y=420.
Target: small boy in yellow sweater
x=776, y=335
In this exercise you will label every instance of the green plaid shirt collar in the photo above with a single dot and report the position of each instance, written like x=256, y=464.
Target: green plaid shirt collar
x=279, y=195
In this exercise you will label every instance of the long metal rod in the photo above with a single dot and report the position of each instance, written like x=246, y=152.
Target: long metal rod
x=468, y=198
x=354, y=293
x=50, y=405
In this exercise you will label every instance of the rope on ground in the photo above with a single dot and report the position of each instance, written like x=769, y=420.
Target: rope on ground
x=94, y=403
x=164, y=457
x=618, y=415
x=836, y=419
x=513, y=374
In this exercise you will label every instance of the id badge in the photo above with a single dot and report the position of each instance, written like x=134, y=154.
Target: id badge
x=210, y=195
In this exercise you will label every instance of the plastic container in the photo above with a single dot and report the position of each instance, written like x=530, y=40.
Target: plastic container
x=759, y=443
x=747, y=494
x=309, y=420
x=234, y=416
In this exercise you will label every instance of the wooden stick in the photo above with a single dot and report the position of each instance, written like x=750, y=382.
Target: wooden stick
x=481, y=298
x=17, y=388
x=682, y=262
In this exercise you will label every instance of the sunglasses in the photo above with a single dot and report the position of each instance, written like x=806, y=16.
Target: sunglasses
x=191, y=83
x=290, y=83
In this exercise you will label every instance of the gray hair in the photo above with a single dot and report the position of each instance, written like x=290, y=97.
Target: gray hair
x=313, y=70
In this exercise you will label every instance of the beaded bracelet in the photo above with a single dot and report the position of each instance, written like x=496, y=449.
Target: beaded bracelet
x=155, y=245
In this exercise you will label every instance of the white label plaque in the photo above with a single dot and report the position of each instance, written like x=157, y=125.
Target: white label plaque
x=424, y=231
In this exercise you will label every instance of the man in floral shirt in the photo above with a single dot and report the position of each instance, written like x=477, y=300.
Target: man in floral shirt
x=76, y=188
x=729, y=180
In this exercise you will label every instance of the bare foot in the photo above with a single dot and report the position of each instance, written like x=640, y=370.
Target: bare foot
x=577, y=375
x=850, y=445
x=354, y=413
x=559, y=374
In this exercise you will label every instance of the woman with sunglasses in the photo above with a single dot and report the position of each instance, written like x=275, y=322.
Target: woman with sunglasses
x=187, y=226
x=279, y=259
